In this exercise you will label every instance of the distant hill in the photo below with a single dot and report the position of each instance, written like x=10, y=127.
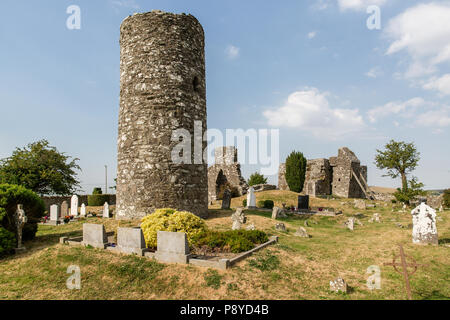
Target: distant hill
x=383, y=189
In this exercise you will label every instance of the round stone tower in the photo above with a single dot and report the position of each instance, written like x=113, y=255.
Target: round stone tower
x=162, y=89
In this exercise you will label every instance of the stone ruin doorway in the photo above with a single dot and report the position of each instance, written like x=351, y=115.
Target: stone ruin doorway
x=220, y=181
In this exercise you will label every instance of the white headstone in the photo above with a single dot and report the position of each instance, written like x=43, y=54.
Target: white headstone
x=424, y=224
x=106, y=210
x=54, y=212
x=441, y=208
x=74, y=206
x=83, y=210
x=251, y=198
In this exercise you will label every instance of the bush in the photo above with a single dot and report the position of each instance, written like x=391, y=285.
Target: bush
x=97, y=190
x=269, y=204
x=10, y=197
x=7, y=241
x=256, y=178
x=446, y=200
x=296, y=171
x=172, y=221
x=97, y=200
x=235, y=241
x=244, y=202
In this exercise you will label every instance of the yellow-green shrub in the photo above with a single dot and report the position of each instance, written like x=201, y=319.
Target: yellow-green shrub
x=172, y=221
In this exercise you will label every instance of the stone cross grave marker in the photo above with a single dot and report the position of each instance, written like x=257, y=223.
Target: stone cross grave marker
x=74, y=206
x=405, y=265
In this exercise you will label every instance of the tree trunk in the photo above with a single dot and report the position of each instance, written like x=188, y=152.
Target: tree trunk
x=404, y=183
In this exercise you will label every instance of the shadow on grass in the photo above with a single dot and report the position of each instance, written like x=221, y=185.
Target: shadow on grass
x=444, y=241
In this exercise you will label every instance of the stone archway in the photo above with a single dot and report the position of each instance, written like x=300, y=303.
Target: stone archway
x=220, y=181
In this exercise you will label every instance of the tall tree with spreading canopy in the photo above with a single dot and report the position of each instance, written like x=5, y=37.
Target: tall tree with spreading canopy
x=400, y=159
x=256, y=178
x=41, y=168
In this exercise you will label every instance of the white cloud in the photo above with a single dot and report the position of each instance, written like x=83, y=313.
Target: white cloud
x=358, y=5
x=435, y=118
x=423, y=32
x=404, y=109
x=125, y=4
x=375, y=72
x=441, y=84
x=232, y=52
x=312, y=34
x=309, y=110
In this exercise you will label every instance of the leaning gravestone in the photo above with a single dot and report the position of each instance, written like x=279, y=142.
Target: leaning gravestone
x=95, y=235
x=251, y=198
x=226, y=199
x=172, y=247
x=106, y=210
x=64, y=209
x=424, y=225
x=238, y=219
x=74, y=206
x=278, y=213
x=281, y=227
x=83, y=210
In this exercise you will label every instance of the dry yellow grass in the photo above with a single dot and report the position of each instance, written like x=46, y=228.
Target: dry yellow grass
x=296, y=268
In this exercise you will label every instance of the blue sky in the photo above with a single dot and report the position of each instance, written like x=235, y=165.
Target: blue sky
x=311, y=68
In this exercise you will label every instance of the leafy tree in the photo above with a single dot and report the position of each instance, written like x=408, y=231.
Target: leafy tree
x=415, y=188
x=256, y=178
x=97, y=190
x=295, y=171
x=447, y=198
x=400, y=159
x=41, y=168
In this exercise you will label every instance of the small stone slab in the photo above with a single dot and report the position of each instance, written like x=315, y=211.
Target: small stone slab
x=95, y=235
x=338, y=285
x=172, y=247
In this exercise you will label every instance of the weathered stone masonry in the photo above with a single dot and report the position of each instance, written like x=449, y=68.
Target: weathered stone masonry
x=225, y=169
x=162, y=88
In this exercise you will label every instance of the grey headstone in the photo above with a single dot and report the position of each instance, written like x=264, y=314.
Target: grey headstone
x=94, y=235
x=130, y=240
x=280, y=227
x=424, y=225
x=238, y=219
x=172, y=247
x=226, y=200
x=64, y=209
x=301, y=232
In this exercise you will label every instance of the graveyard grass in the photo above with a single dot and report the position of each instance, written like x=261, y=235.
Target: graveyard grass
x=295, y=268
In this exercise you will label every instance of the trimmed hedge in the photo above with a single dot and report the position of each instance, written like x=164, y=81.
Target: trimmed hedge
x=266, y=204
x=10, y=197
x=97, y=200
x=236, y=241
